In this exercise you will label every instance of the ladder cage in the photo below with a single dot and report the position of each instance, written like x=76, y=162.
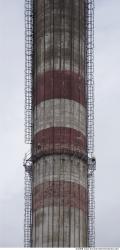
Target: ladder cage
x=28, y=121
x=28, y=202
x=90, y=118
x=28, y=69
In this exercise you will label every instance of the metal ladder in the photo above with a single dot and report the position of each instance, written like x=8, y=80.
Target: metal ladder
x=28, y=201
x=90, y=119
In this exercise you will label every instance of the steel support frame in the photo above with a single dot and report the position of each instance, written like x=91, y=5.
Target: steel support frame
x=90, y=119
x=28, y=121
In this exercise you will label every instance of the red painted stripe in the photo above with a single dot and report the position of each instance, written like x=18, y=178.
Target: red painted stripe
x=59, y=84
x=61, y=193
x=59, y=140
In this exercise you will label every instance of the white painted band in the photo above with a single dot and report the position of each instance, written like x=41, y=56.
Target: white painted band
x=60, y=113
x=60, y=65
x=63, y=61
x=50, y=224
x=65, y=168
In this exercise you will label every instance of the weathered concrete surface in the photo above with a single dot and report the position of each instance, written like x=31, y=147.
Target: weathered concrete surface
x=60, y=113
x=65, y=168
x=53, y=193
x=69, y=230
x=59, y=84
x=59, y=140
x=60, y=35
x=59, y=124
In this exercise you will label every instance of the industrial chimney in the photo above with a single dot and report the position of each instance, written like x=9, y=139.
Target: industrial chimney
x=59, y=123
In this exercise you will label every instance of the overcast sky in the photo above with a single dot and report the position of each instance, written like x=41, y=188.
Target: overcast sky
x=107, y=122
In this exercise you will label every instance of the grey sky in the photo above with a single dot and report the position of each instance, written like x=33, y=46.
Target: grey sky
x=107, y=122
